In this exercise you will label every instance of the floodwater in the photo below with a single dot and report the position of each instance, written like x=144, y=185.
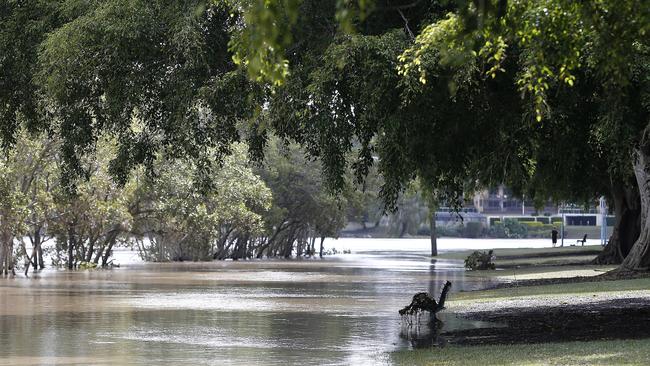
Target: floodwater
x=341, y=310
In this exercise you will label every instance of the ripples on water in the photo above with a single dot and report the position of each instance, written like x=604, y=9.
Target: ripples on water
x=340, y=310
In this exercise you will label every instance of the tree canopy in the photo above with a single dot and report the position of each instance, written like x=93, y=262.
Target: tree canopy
x=460, y=94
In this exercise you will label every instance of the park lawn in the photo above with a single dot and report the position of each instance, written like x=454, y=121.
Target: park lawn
x=564, y=289
x=534, y=263
x=614, y=352
x=597, y=352
x=587, y=250
x=513, y=274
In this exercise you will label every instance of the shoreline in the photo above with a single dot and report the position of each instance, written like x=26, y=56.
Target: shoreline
x=542, y=313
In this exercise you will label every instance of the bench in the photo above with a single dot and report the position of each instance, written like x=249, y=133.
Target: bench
x=583, y=241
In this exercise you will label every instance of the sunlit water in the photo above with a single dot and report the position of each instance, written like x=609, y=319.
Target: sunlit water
x=341, y=310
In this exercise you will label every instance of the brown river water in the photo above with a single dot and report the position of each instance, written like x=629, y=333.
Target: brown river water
x=341, y=310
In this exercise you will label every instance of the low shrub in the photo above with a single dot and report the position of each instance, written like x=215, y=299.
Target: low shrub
x=479, y=260
x=515, y=229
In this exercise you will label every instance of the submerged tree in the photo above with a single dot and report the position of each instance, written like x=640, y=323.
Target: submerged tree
x=303, y=209
x=183, y=221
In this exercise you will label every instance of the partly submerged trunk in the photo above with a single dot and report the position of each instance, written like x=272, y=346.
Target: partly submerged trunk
x=434, y=239
x=6, y=253
x=72, y=245
x=627, y=210
x=37, y=250
x=639, y=256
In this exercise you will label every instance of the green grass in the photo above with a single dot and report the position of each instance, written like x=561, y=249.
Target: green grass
x=526, y=252
x=619, y=352
x=558, y=289
x=532, y=257
x=531, y=263
x=545, y=271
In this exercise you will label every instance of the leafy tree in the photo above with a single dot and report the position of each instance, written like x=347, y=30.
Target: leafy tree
x=23, y=26
x=12, y=216
x=487, y=53
x=602, y=45
x=81, y=69
x=302, y=207
x=88, y=223
x=28, y=177
x=184, y=222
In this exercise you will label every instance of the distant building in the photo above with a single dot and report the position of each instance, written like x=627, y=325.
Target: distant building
x=501, y=201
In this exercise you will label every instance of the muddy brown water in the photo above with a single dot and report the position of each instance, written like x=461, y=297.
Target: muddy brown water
x=337, y=311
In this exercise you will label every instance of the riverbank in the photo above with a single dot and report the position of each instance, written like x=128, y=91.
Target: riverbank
x=605, y=353
x=552, y=307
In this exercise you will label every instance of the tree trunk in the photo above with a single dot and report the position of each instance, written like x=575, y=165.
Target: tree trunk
x=37, y=251
x=639, y=256
x=434, y=239
x=88, y=256
x=6, y=251
x=403, y=229
x=71, y=246
x=3, y=252
x=41, y=262
x=109, y=251
x=322, y=240
x=105, y=251
x=627, y=210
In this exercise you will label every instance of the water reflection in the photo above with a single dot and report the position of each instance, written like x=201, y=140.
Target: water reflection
x=342, y=310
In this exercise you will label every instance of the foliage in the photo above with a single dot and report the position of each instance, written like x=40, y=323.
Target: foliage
x=183, y=222
x=156, y=75
x=261, y=44
x=480, y=260
x=302, y=208
x=88, y=223
x=413, y=88
x=26, y=181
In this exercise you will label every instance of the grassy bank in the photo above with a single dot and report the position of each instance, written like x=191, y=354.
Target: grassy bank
x=542, y=263
x=536, y=263
x=573, y=289
x=620, y=352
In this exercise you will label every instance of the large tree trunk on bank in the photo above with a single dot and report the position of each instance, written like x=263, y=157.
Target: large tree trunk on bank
x=434, y=239
x=639, y=256
x=627, y=209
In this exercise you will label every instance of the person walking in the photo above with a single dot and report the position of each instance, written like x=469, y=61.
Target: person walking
x=554, y=233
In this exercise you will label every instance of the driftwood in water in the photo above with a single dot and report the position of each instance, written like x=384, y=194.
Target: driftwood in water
x=422, y=301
